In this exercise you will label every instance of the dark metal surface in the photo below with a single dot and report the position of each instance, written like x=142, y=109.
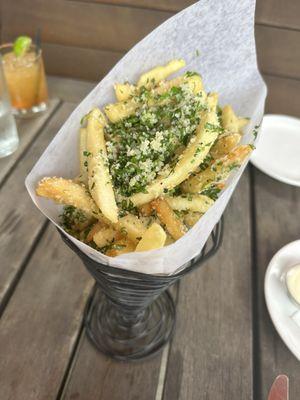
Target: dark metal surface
x=133, y=315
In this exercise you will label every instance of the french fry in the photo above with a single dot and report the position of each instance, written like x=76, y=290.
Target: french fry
x=83, y=177
x=104, y=236
x=124, y=90
x=169, y=240
x=242, y=122
x=95, y=228
x=160, y=73
x=224, y=145
x=146, y=209
x=212, y=102
x=167, y=216
x=230, y=121
x=191, y=158
x=67, y=192
x=99, y=179
x=132, y=227
x=218, y=171
x=153, y=238
x=117, y=111
x=194, y=82
x=192, y=218
x=121, y=246
x=190, y=202
x=163, y=110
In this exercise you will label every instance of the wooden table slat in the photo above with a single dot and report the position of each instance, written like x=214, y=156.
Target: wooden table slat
x=211, y=354
x=277, y=223
x=93, y=375
x=278, y=51
x=283, y=95
x=20, y=221
x=39, y=327
x=98, y=26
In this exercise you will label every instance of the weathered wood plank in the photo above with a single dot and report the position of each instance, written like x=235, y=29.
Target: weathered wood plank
x=69, y=90
x=79, y=24
x=278, y=13
x=278, y=51
x=211, y=354
x=283, y=95
x=39, y=327
x=277, y=223
x=78, y=62
x=27, y=129
x=269, y=12
x=164, y=5
x=94, y=375
x=20, y=221
x=103, y=32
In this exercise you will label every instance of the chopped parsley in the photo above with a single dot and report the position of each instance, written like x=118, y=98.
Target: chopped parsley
x=146, y=144
x=255, y=131
x=212, y=192
x=188, y=74
x=71, y=217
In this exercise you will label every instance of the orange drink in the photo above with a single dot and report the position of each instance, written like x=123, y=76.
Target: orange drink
x=26, y=81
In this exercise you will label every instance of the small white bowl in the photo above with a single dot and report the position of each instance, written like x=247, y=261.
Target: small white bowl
x=277, y=150
x=284, y=312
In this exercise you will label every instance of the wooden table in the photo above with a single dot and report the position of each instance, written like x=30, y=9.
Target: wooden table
x=225, y=346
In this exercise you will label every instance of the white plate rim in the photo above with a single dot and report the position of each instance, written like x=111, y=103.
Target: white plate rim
x=272, y=174
x=284, y=336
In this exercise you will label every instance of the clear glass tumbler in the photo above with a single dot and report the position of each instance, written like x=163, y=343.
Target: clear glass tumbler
x=26, y=80
x=9, y=139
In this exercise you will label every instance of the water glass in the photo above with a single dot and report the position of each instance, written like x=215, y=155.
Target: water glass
x=9, y=139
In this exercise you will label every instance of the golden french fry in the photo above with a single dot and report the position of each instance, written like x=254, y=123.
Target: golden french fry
x=218, y=171
x=104, y=236
x=83, y=177
x=190, y=202
x=160, y=73
x=230, y=121
x=192, y=218
x=100, y=182
x=169, y=240
x=212, y=102
x=242, y=122
x=117, y=111
x=167, y=216
x=153, y=238
x=95, y=228
x=194, y=82
x=132, y=227
x=121, y=246
x=191, y=158
x=67, y=192
x=146, y=209
x=124, y=90
x=224, y=145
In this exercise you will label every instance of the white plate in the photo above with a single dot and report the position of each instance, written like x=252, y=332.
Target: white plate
x=278, y=149
x=284, y=313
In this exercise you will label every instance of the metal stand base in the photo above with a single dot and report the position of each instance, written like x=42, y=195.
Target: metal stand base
x=125, y=339
x=132, y=314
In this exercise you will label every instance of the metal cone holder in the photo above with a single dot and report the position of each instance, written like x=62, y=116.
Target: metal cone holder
x=132, y=315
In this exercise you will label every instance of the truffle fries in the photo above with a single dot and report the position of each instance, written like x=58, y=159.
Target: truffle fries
x=151, y=166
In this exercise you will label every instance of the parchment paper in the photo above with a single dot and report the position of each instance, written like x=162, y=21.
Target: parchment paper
x=216, y=38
